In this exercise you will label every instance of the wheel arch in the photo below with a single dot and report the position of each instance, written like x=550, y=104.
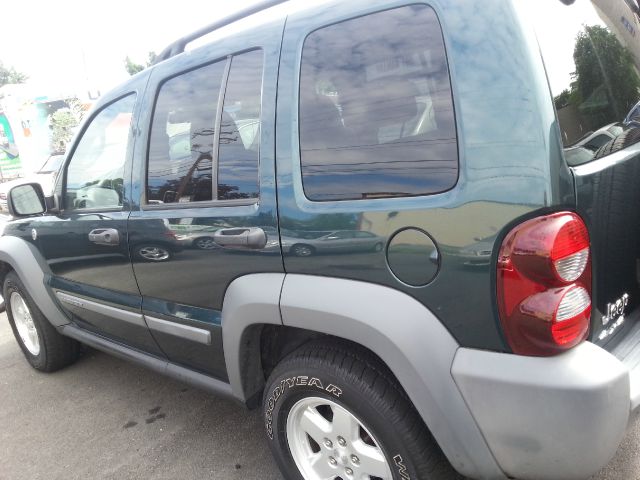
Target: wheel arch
x=24, y=258
x=402, y=332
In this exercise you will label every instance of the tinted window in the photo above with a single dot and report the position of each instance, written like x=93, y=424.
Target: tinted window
x=591, y=51
x=239, y=150
x=376, y=114
x=96, y=170
x=182, y=137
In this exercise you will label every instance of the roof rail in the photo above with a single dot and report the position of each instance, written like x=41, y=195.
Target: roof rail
x=179, y=45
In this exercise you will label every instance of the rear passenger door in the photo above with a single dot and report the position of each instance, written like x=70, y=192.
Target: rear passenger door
x=206, y=211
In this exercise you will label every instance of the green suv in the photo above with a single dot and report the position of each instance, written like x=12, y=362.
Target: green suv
x=358, y=217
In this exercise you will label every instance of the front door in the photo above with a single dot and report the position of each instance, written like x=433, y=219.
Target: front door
x=208, y=207
x=86, y=244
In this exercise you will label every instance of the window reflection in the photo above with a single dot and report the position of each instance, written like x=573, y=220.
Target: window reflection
x=182, y=137
x=240, y=129
x=96, y=170
x=376, y=115
x=592, y=53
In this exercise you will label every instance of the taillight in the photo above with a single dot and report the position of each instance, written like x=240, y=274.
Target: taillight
x=544, y=284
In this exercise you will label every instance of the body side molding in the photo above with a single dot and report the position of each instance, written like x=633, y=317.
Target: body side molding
x=186, y=332
x=410, y=340
x=106, y=310
x=250, y=301
x=156, y=364
x=32, y=269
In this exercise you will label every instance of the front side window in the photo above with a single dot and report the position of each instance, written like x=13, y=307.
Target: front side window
x=591, y=51
x=376, y=112
x=95, y=172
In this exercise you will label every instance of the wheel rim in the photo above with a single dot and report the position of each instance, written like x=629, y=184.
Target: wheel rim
x=24, y=324
x=328, y=442
x=303, y=251
x=205, y=243
x=154, y=253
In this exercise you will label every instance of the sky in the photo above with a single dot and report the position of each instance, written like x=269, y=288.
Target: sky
x=70, y=45
x=73, y=45
x=556, y=27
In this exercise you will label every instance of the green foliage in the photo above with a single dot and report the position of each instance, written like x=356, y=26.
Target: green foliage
x=10, y=75
x=133, y=68
x=563, y=99
x=63, y=122
x=605, y=79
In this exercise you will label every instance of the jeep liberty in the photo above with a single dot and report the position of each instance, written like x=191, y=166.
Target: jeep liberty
x=407, y=231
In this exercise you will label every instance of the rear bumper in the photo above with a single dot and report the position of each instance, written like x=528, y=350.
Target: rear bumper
x=559, y=417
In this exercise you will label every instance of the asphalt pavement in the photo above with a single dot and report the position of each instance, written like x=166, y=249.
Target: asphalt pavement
x=104, y=418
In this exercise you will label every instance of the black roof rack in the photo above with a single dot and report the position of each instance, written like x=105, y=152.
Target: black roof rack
x=179, y=45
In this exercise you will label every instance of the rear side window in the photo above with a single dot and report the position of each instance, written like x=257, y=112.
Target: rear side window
x=202, y=151
x=376, y=112
x=182, y=137
x=239, y=150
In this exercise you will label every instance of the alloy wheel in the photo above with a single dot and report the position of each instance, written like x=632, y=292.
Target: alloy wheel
x=154, y=253
x=329, y=442
x=24, y=324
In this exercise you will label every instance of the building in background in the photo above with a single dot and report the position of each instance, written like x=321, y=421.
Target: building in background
x=25, y=119
x=623, y=19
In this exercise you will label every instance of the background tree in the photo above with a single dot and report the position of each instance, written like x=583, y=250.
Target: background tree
x=132, y=68
x=62, y=122
x=563, y=99
x=10, y=75
x=606, y=81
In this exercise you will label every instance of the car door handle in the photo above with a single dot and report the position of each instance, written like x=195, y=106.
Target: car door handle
x=241, y=237
x=104, y=236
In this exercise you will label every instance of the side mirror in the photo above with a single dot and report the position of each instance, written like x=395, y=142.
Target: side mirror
x=25, y=200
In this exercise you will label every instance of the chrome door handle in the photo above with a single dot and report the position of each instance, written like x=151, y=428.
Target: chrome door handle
x=104, y=236
x=241, y=237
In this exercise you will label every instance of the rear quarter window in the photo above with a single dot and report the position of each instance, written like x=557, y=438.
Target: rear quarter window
x=376, y=112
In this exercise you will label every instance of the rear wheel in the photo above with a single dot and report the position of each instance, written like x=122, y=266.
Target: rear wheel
x=333, y=411
x=44, y=348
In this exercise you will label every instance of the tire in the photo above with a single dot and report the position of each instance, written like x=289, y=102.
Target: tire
x=616, y=227
x=44, y=348
x=624, y=140
x=378, y=247
x=3, y=305
x=303, y=250
x=152, y=252
x=323, y=379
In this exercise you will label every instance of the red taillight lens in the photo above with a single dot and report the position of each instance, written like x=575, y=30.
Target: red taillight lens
x=544, y=284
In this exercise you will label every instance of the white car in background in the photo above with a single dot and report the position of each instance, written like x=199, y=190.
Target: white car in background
x=46, y=177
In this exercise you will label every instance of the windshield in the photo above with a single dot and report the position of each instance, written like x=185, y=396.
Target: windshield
x=52, y=164
x=591, y=50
